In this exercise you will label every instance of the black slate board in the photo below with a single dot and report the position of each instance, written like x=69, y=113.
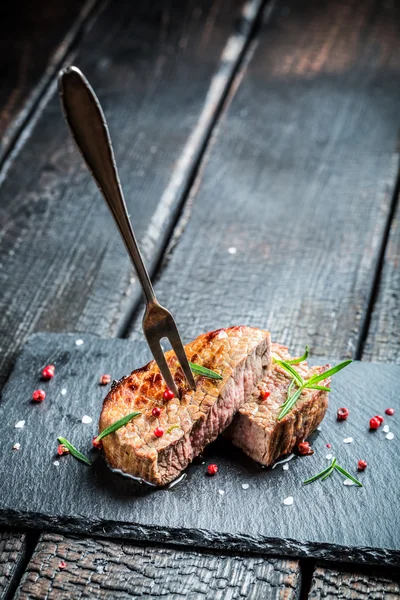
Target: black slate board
x=327, y=520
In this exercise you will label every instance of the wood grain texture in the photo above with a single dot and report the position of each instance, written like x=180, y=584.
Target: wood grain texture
x=34, y=37
x=98, y=569
x=383, y=340
x=12, y=551
x=63, y=267
x=343, y=585
x=286, y=220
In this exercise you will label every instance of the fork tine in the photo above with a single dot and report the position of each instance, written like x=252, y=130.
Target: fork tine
x=177, y=346
x=158, y=354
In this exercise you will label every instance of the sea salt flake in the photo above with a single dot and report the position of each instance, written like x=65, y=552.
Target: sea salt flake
x=63, y=391
x=348, y=440
x=17, y=446
x=19, y=425
x=56, y=463
x=78, y=342
x=328, y=456
x=348, y=482
x=245, y=486
x=386, y=428
x=288, y=501
x=318, y=428
x=86, y=419
x=232, y=250
x=285, y=467
x=221, y=492
x=222, y=334
x=390, y=435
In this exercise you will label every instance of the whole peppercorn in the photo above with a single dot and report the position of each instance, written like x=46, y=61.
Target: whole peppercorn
x=48, y=372
x=362, y=465
x=374, y=423
x=38, y=395
x=342, y=414
x=168, y=394
x=105, y=379
x=212, y=469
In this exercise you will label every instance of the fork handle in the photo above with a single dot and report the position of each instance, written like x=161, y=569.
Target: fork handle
x=86, y=120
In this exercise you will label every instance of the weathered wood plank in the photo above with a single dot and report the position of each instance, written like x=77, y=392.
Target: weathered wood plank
x=383, y=339
x=12, y=551
x=35, y=36
x=160, y=69
x=99, y=569
x=343, y=585
x=285, y=225
x=63, y=267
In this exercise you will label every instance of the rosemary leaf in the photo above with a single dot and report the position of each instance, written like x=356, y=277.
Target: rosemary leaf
x=347, y=474
x=290, y=389
x=199, y=370
x=300, y=359
x=287, y=407
x=321, y=376
x=317, y=387
x=73, y=450
x=331, y=469
x=289, y=369
x=117, y=425
x=318, y=475
x=175, y=426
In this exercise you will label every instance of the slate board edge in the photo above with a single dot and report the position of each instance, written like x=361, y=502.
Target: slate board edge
x=203, y=539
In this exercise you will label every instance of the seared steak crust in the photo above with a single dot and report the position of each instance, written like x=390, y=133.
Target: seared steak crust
x=255, y=428
x=240, y=354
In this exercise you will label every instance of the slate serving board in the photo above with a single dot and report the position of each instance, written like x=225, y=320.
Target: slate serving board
x=326, y=520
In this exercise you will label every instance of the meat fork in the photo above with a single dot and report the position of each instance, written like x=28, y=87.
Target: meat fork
x=88, y=127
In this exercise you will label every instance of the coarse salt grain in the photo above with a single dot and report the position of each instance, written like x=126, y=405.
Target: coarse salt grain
x=17, y=446
x=318, y=428
x=348, y=440
x=232, y=250
x=222, y=334
x=386, y=428
x=288, y=501
x=19, y=425
x=390, y=435
x=328, y=456
x=63, y=391
x=245, y=486
x=221, y=492
x=86, y=419
x=78, y=342
x=348, y=482
x=56, y=463
x=285, y=467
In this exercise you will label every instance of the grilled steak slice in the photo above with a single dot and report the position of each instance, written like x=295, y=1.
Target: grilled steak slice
x=240, y=354
x=255, y=428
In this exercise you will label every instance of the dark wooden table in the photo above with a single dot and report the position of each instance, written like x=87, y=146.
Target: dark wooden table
x=268, y=128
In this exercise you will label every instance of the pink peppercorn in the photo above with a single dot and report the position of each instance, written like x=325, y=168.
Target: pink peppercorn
x=156, y=412
x=380, y=419
x=212, y=469
x=38, y=395
x=48, y=372
x=105, y=379
x=374, y=423
x=62, y=450
x=362, y=465
x=342, y=414
x=389, y=411
x=305, y=448
x=98, y=444
x=168, y=394
x=264, y=395
x=158, y=432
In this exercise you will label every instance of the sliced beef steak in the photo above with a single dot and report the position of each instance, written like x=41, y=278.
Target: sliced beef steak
x=241, y=355
x=255, y=428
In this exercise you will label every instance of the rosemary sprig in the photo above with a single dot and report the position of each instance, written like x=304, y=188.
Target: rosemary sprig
x=73, y=450
x=302, y=384
x=117, y=425
x=199, y=370
x=329, y=470
x=300, y=359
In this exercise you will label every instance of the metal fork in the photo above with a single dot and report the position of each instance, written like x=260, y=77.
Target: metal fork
x=88, y=127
